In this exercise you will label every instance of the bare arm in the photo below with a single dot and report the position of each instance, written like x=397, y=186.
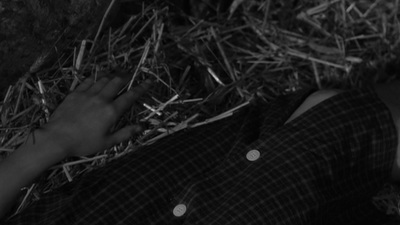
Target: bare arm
x=80, y=126
x=24, y=165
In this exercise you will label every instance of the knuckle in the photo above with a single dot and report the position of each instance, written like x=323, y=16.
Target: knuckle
x=117, y=80
x=102, y=80
x=98, y=100
x=89, y=80
x=110, y=111
x=74, y=95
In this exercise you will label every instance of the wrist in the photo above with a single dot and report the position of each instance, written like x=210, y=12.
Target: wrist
x=26, y=163
x=43, y=147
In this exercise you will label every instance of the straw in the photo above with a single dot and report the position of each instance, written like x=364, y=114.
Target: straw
x=204, y=69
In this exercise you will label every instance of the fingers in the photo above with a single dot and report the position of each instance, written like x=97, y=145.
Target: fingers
x=112, y=88
x=102, y=79
x=85, y=85
x=125, y=101
x=124, y=134
x=98, y=86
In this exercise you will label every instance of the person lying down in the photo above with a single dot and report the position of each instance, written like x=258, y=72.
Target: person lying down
x=308, y=157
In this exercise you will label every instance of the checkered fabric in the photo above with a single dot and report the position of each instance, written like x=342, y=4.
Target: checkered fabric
x=323, y=167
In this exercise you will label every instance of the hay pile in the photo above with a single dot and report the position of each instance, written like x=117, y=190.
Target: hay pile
x=208, y=64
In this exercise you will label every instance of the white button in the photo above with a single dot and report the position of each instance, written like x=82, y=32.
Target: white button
x=253, y=155
x=179, y=210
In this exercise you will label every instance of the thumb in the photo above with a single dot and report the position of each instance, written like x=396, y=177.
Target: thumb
x=124, y=134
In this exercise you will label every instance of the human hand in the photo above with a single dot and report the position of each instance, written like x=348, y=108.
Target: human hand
x=82, y=124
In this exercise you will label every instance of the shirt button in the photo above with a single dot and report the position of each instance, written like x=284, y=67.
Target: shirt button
x=179, y=210
x=253, y=155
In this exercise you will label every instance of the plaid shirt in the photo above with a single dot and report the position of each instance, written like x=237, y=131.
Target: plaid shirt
x=323, y=167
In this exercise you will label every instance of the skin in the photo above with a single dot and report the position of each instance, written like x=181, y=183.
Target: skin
x=80, y=126
x=312, y=100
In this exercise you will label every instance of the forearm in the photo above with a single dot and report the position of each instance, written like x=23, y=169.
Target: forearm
x=24, y=165
x=80, y=126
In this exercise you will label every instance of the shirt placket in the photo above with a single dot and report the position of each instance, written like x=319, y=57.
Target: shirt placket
x=185, y=203
x=241, y=156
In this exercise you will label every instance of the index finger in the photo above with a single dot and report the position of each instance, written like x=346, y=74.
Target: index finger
x=111, y=89
x=126, y=100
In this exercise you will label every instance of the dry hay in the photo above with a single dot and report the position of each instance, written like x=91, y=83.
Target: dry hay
x=208, y=66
